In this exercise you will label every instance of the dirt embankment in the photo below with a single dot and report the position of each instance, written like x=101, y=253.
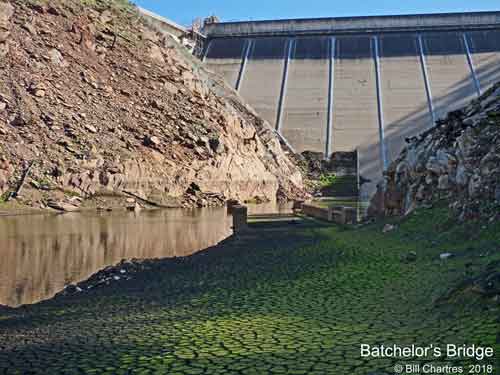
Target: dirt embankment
x=102, y=104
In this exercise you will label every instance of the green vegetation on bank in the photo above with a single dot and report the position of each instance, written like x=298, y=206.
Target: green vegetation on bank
x=291, y=301
x=4, y=197
x=326, y=180
x=332, y=185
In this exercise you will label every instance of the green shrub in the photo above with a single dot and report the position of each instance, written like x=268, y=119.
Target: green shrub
x=327, y=179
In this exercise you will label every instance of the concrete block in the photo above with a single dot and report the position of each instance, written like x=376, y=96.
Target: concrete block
x=317, y=212
x=240, y=217
x=351, y=215
x=338, y=215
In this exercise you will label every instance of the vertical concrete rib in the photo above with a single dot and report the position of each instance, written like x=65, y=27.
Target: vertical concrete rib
x=485, y=54
x=261, y=86
x=224, y=57
x=331, y=82
x=376, y=56
x=358, y=176
x=206, y=51
x=471, y=64
x=428, y=91
x=287, y=57
x=244, y=59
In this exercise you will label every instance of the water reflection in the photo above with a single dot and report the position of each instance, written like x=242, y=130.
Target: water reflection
x=41, y=254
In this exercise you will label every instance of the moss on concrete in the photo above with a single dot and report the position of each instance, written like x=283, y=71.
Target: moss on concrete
x=292, y=300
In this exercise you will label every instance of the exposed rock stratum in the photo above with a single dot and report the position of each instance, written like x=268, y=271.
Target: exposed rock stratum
x=104, y=104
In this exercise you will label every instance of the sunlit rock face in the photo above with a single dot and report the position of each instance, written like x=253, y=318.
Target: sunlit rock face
x=101, y=115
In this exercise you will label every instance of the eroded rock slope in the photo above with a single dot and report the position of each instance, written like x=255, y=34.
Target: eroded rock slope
x=103, y=104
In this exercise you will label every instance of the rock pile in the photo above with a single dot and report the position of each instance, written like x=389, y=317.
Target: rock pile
x=458, y=160
x=103, y=105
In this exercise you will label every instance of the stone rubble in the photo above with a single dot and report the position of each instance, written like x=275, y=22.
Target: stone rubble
x=457, y=161
x=125, y=270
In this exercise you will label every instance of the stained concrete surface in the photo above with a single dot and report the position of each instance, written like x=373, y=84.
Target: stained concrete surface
x=224, y=56
x=485, y=50
x=355, y=114
x=306, y=100
x=355, y=123
x=449, y=74
x=405, y=105
x=261, y=82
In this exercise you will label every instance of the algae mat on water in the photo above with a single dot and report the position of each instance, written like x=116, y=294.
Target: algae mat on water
x=290, y=301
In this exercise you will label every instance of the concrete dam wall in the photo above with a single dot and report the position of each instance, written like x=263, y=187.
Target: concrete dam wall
x=364, y=83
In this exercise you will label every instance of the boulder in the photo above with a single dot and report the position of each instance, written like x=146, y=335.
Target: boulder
x=56, y=57
x=462, y=176
x=435, y=166
x=216, y=145
x=388, y=228
x=151, y=141
x=4, y=49
x=156, y=54
x=444, y=182
x=4, y=180
x=6, y=13
x=4, y=36
x=475, y=186
x=29, y=27
x=410, y=257
x=106, y=17
x=90, y=128
x=445, y=256
x=63, y=206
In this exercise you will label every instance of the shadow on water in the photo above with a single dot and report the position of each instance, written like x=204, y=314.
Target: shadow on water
x=170, y=280
x=41, y=254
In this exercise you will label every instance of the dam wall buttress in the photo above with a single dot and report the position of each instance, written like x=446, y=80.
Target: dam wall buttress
x=361, y=83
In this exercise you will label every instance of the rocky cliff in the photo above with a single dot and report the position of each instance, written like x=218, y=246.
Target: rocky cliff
x=103, y=104
x=457, y=161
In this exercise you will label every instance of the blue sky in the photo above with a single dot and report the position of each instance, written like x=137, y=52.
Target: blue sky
x=184, y=11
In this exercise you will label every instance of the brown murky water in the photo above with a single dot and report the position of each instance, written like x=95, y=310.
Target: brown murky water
x=41, y=254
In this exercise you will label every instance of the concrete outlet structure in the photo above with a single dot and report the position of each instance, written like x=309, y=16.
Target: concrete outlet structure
x=365, y=83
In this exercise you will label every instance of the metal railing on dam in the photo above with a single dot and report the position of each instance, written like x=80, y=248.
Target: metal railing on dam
x=366, y=83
